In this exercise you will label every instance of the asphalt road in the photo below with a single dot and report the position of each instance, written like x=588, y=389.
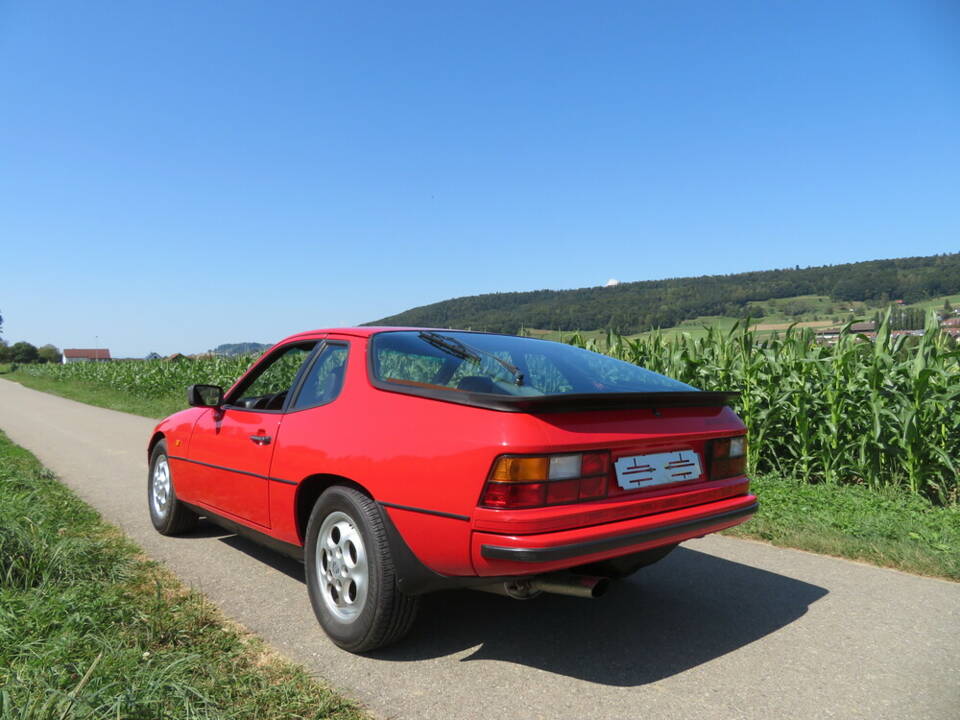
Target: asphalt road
x=722, y=628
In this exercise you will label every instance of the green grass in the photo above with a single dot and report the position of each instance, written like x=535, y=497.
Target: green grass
x=101, y=395
x=888, y=527
x=90, y=629
x=810, y=304
x=937, y=303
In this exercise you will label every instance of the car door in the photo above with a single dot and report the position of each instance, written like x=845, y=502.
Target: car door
x=232, y=446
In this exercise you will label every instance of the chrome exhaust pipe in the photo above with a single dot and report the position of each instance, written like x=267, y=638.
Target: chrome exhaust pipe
x=517, y=589
x=584, y=586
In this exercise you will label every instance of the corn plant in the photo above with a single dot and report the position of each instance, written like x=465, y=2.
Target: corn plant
x=876, y=411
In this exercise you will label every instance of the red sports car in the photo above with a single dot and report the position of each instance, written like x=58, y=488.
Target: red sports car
x=398, y=461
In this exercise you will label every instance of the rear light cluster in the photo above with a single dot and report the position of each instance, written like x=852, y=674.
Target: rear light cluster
x=536, y=481
x=728, y=458
x=525, y=481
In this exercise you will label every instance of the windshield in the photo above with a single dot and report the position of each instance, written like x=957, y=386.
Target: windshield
x=505, y=365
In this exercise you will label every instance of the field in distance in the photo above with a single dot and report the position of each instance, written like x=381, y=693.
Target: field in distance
x=769, y=316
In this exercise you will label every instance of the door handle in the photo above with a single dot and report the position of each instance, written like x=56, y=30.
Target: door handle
x=261, y=439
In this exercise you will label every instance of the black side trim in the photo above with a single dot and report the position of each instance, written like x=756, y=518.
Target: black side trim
x=285, y=548
x=438, y=513
x=219, y=467
x=565, y=552
x=233, y=470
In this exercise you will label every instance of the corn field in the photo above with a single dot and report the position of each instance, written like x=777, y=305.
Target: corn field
x=149, y=378
x=879, y=413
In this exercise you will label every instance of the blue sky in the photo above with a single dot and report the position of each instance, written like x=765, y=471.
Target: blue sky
x=175, y=175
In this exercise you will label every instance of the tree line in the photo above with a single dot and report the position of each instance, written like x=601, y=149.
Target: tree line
x=25, y=353
x=638, y=306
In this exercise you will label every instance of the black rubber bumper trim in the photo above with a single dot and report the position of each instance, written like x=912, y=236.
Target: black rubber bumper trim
x=565, y=552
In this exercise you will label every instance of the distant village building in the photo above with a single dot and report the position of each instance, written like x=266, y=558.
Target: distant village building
x=72, y=355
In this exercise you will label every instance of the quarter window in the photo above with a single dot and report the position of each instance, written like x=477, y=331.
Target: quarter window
x=324, y=379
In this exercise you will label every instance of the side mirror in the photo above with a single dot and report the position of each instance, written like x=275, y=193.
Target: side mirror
x=205, y=396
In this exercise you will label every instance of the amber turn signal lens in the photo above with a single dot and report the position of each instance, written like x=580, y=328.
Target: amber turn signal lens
x=521, y=469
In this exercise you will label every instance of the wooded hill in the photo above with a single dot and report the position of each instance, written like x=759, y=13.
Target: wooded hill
x=244, y=348
x=638, y=306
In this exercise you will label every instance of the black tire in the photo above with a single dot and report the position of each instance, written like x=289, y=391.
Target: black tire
x=385, y=614
x=171, y=517
x=621, y=567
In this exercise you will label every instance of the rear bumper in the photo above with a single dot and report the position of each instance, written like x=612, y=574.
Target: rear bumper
x=495, y=554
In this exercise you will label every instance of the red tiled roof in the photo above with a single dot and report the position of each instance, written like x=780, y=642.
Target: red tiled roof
x=89, y=354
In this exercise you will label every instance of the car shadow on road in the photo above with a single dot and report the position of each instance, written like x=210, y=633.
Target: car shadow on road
x=278, y=561
x=685, y=611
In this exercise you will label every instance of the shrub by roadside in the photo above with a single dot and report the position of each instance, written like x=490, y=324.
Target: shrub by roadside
x=91, y=629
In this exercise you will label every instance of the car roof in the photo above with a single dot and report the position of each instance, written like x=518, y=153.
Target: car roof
x=365, y=331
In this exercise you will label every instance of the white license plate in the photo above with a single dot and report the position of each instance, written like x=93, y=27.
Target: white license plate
x=640, y=471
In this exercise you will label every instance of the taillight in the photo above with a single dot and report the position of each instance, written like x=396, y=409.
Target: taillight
x=535, y=481
x=728, y=457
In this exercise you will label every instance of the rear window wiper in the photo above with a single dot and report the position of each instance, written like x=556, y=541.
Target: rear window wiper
x=463, y=351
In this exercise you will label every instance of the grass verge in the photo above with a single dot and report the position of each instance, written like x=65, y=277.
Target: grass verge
x=887, y=527
x=99, y=395
x=91, y=629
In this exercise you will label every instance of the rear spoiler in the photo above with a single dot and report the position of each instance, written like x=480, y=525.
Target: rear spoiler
x=613, y=401
x=565, y=402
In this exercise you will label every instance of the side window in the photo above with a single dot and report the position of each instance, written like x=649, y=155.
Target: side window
x=325, y=378
x=268, y=387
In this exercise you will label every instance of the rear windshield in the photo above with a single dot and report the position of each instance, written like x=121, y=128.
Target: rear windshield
x=505, y=365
